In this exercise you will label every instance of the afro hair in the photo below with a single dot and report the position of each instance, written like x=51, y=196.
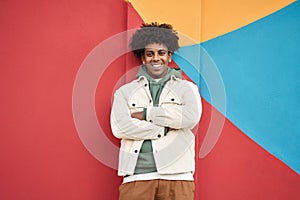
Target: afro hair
x=154, y=33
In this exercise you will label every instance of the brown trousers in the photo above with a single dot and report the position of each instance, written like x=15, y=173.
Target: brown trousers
x=157, y=190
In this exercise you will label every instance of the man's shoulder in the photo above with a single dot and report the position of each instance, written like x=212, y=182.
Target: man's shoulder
x=130, y=86
x=182, y=85
x=183, y=82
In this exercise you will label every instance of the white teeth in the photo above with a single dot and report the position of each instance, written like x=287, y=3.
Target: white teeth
x=157, y=65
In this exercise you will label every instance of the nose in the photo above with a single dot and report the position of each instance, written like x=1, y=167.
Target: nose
x=156, y=56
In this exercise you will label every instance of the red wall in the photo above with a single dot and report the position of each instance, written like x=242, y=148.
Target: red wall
x=43, y=44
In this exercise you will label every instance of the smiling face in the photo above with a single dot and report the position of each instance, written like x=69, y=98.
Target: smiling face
x=156, y=58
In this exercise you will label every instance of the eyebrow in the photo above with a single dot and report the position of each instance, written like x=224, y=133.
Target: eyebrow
x=149, y=49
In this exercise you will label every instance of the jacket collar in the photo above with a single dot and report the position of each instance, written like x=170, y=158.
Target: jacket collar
x=144, y=79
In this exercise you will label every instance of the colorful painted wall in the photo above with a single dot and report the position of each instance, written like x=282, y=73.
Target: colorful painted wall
x=62, y=60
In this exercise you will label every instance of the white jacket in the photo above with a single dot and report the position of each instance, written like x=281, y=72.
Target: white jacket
x=179, y=108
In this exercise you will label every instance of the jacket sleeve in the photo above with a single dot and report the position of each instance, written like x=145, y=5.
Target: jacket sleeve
x=125, y=127
x=178, y=116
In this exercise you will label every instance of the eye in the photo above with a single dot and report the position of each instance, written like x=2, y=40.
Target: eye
x=149, y=53
x=162, y=52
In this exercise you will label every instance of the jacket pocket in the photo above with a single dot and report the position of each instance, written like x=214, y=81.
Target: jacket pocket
x=136, y=105
x=171, y=99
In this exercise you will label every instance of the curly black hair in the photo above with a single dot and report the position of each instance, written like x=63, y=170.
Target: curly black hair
x=154, y=33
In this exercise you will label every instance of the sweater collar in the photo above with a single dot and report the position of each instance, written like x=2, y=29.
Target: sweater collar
x=172, y=73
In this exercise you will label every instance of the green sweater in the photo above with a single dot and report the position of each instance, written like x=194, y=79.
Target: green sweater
x=146, y=162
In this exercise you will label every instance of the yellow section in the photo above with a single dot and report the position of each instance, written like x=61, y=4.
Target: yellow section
x=183, y=15
x=217, y=17
x=220, y=16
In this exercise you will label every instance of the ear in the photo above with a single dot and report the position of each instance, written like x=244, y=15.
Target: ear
x=170, y=57
x=143, y=59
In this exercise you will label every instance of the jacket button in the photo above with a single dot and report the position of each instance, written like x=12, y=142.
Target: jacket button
x=150, y=101
x=172, y=99
x=133, y=104
x=145, y=84
x=135, y=151
x=150, y=120
x=158, y=135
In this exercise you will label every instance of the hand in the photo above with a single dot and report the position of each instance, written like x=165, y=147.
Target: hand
x=138, y=115
x=170, y=129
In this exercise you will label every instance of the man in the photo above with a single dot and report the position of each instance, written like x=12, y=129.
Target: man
x=153, y=116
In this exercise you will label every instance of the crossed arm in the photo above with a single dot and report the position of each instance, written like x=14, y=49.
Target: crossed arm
x=140, y=116
x=174, y=116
